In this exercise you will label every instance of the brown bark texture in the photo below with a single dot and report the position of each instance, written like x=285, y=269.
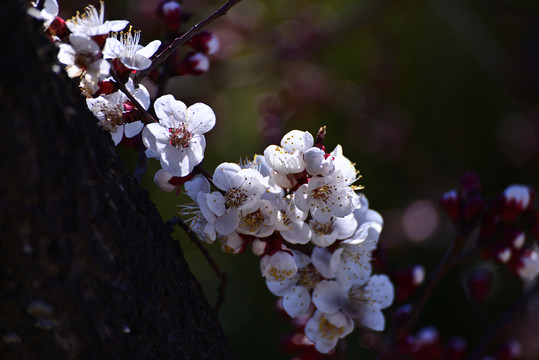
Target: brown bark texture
x=88, y=269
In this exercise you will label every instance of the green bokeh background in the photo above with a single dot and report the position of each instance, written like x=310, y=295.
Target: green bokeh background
x=416, y=92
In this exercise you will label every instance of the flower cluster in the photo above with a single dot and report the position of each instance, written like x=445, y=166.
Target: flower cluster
x=504, y=223
x=297, y=207
x=106, y=57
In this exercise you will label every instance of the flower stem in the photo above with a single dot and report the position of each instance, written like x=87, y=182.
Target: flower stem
x=123, y=88
x=180, y=40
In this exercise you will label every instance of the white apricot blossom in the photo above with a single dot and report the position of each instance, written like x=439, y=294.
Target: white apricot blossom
x=200, y=218
x=345, y=166
x=325, y=330
x=177, y=140
x=278, y=266
x=126, y=48
x=92, y=22
x=288, y=158
x=82, y=56
x=47, y=14
x=317, y=162
x=291, y=220
x=260, y=221
x=326, y=196
x=112, y=111
x=296, y=290
x=326, y=233
x=240, y=193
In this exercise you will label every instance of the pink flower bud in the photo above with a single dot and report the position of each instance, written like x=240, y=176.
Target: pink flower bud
x=526, y=264
x=517, y=199
x=515, y=238
x=408, y=280
x=430, y=346
x=161, y=179
x=501, y=252
x=450, y=203
x=258, y=247
x=58, y=28
x=193, y=64
x=204, y=42
x=172, y=13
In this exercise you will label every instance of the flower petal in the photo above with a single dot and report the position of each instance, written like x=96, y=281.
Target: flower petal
x=171, y=112
x=149, y=49
x=327, y=296
x=200, y=118
x=297, y=301
x=133, y=129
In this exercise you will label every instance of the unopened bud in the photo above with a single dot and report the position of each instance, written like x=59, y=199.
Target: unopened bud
x=258, y=246
x=408, y=280
x=193, y=64
x=317, y=163
x=161, y=179
x=517, y=199
x=526, y=264
x=172, y=13
x=58, y=28
x=204, y=42
x=430, y=346
x=450, y=203
x=501, y=252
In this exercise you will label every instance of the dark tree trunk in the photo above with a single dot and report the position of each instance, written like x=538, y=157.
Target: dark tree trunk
x=88, y=270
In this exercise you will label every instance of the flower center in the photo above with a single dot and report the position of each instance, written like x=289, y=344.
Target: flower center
x=358, y=294
x=83, y=60
x=234, y=197
x=328, y=330
x=279, y=274
x=322, y=228
x=91, y=17
x=252, y=221
x=322, y=193
x=130, y=40
x=308, y=277
x=180, y=137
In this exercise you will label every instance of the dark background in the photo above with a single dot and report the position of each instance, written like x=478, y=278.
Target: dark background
x=416, y=92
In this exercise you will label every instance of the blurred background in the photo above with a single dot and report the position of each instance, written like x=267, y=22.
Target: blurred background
x=416, y=92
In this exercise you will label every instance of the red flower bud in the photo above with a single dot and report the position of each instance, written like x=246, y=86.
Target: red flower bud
x=204, y=42
x=408, y=280
x=450, y=203
x=193, y=64
x=172, y=13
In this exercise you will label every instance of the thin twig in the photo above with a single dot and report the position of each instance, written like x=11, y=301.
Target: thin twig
x=196, y=240
x=163, y=55
x=130, y=96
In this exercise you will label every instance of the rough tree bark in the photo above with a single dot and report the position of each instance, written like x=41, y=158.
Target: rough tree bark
x=88, y=270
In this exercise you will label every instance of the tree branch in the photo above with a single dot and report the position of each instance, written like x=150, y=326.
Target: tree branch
x=162, y=56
